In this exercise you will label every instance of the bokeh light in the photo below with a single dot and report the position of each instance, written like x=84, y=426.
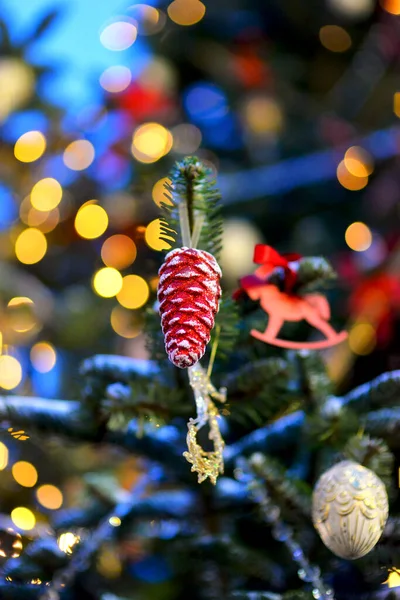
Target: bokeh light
x=396, y=104
x=392, y=7
x=30, y=146
x=393, y=579
x=3, y=456
x=358, y=236
x=107, y=282
x=358, y=162
x=362, y=339
x=49, y=496
x=43, y=357
x=17, y=84
x=67, y=541
x=91, y=221
x=115, y=79
x=187, y=138
x=125, y=323
x=159, y=192
x=263, y=115
x=153, y=237
x=149, y=20
x=114, y=521
x=352, y=9
x=119, y=35
x=150, y=142
x=30, y=246
x=46, y=194
x=134, y=292
x=10, y=372
x=21, y=314
x=334, y=38
x=79, y=155
x=23, y=518
x=186, y=12
x=118, y=251
x=24, y=473
x=238, y=235
x=348, y=180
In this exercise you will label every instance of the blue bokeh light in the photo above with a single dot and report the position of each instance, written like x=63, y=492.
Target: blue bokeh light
x=8, y=207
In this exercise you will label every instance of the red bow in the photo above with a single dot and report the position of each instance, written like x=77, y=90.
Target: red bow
x=269, y=259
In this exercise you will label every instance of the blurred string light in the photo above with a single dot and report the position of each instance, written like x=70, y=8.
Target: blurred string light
x=107, y=282
x=23, y=518
x=358, y=236
x=3, y=456
x=187, y=138
x=115, y=79
x=30, y=246
x=149, y=20
x=10, y=372
x=393, y=579
x=21, y=314
x=362, y=338
x=153, y=237
x=118, y=251
x=119, y=35
x=134, y=292
x=108, y=562
x=67, y=541
x=396, y=104
x=46, y=194
x=263, y=115
x=24, y=473
x=238, y=235
x=391, y=6
x=125, y=323
x=186, y=12
x=352, y=9
x=49, y=496
x=10, y=544
x=115, y=521
x=159, y=192
x=79, y=155
x=91, y=220
x=43, y=357
x=206, y=103
x=17, y=85
x=51, y=221
x=348, y=180
x=334, y=38
x=358, y=162
x=8, y=207
x=30, y=146
x=150, y=142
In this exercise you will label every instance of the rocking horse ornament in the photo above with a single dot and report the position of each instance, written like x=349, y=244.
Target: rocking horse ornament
x=286, y=305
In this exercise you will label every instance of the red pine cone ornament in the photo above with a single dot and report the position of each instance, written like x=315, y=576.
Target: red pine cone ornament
x=188, y=293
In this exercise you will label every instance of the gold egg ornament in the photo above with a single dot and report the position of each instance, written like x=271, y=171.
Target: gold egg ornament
x=349, y=509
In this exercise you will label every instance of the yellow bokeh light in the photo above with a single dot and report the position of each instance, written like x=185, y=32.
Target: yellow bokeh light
x=10, y=372
x=153, y=237
x=114, y=521
x=125, y=323
x=46, y=194
x=148, y=19
x=115, y=79
x=186, y=12
x=24, y=473
x=358, y=162
x=362, y=339
x=30, y=146
x=119, y=35
x=396, y=104
x=21, y=314
x=91, y=221
x=393, y=579
x=51, y=221
x=3, y=456
x=49, y=496
x=23, y=518
x=67, y=541
x=358, y=236
x=118, y=251
x=30, y=246
x=43, y=357
x=392, y=7
x=348, y=180
x=134, y=292
x=78, y=155
x=334, y=38
x=263, y=115
x=107, y=282
x=159, y=192
x=109, y=563
x=150, y=142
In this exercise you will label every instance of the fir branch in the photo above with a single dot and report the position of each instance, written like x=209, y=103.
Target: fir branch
x=226, y=327
x=371, y=453
x=385, y=424
x=383, y=391
x=315, y=384
x=314, y=272
x=193, y=185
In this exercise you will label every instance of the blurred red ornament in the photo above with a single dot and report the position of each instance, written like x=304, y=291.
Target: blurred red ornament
x=286, y=305
x=144, y=102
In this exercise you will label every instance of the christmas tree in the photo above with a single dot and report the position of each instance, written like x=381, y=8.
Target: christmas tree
x=203, y=446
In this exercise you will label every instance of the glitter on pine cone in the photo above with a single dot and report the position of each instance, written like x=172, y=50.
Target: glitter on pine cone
x=188, y=293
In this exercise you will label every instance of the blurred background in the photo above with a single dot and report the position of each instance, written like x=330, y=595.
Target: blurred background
x=295, y=107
